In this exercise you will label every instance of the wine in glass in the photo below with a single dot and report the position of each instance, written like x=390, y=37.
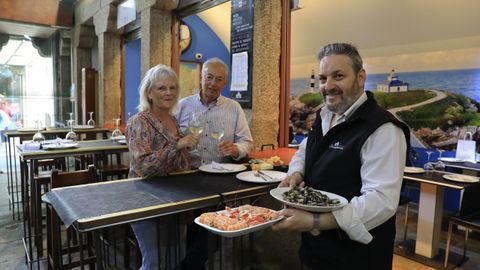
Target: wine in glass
x=195, y=126
x=38, y=136
x=71, y=135
x=90, y=121
x=217, y=132
x=428, y=166
x=117, y=133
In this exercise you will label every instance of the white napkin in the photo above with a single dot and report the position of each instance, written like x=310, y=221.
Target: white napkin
x=31, y=146
x=222, y=167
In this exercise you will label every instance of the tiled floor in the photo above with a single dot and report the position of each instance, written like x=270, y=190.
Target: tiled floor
x=12, y=255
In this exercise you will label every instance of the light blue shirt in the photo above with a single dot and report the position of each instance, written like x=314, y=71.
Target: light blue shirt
x=223, y=109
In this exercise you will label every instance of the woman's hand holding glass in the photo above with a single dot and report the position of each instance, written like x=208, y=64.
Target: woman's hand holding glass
x=189, y=142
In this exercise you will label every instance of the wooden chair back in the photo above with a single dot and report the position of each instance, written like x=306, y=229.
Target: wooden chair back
x=65, y=179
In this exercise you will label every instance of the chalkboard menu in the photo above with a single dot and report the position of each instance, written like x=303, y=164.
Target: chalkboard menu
x=241, y=50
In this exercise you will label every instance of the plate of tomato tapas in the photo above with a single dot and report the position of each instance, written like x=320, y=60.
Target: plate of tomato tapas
x=238, y=221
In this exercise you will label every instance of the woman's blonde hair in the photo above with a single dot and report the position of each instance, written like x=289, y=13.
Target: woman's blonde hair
x=155, y=73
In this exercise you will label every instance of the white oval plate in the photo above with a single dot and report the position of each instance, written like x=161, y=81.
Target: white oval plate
x=82, y=127
x=59, y=146
x=450, y=159
x=228, y=168
x=461, y=178
x=249, y=176
x=277, y=193
x=238, y=232
x=414, y=170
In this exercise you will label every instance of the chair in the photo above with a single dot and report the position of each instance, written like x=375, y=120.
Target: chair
x=54, y=242
x=111, y=169
x=405, y=200
x=468, y=217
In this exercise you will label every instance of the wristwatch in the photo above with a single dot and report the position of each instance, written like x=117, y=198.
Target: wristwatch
x=316, y=225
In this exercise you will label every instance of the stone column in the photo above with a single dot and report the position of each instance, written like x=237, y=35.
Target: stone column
x=156, y=34
x=266, y=72
x=83, y=38
x=110, y=68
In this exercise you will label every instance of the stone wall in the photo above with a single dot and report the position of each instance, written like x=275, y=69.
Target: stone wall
x=266, y=72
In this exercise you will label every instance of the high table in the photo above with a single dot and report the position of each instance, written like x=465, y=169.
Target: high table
x=465, y=166
x=32, y=208
x=12, y=175
x=129, y=200
x=430, y=210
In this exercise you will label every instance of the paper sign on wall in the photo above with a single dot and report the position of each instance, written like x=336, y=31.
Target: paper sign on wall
x=239, y=72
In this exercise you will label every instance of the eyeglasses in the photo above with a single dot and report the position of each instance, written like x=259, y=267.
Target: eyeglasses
x=212, y=78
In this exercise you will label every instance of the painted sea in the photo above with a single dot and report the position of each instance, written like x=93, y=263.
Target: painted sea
x=464, y=81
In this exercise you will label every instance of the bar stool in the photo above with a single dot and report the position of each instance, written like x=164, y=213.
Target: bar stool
x=55, y=250
x=114, y=167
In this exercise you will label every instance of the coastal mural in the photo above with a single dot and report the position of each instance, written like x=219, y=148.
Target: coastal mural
x=440, y=106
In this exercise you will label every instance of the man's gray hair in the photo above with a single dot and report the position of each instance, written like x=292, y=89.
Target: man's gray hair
x=214, y=60
x=342, y=49
x=152, y=75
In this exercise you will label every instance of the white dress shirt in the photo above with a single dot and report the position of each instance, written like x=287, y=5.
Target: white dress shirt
x=383, y=161
x=223, y=109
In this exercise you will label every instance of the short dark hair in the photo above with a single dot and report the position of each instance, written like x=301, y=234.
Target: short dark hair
x=342, y=49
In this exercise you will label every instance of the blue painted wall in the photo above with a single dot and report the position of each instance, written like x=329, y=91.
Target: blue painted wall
x=206, y=42
x=132, y=76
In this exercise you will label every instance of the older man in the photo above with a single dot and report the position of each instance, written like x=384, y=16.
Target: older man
x=237, y=140
x=356, y=150
x=235, y=144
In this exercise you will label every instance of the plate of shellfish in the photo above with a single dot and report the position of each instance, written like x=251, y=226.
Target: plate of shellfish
x=238, y=221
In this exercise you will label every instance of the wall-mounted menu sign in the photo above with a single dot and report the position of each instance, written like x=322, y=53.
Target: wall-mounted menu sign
x=241, y=48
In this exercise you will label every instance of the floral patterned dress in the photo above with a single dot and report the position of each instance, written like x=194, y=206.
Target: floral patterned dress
x=153, y=147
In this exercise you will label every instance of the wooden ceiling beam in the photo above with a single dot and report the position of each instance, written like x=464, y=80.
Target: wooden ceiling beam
x=41, y=12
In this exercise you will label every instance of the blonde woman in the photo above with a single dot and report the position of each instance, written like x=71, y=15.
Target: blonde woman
x=157, y=146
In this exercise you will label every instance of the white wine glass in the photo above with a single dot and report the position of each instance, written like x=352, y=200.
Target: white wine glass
x=38, y=136
x=116, y=133
x=196, y=125
x=217, y=132
x=71, y=135
x=294, y=132
x=439, y=165
x=90, y=121
x=428, y=166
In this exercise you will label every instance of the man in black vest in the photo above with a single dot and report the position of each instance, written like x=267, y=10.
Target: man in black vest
x=357, y=150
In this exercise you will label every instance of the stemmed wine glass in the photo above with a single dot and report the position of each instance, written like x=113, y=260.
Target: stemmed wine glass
x=294, y=131
x=217, y=132
x=195, y=126
x=38, y=136
x=71, y=135
x=439, y=165
x=90, y=121
x=116, y=133
x=428, y=165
